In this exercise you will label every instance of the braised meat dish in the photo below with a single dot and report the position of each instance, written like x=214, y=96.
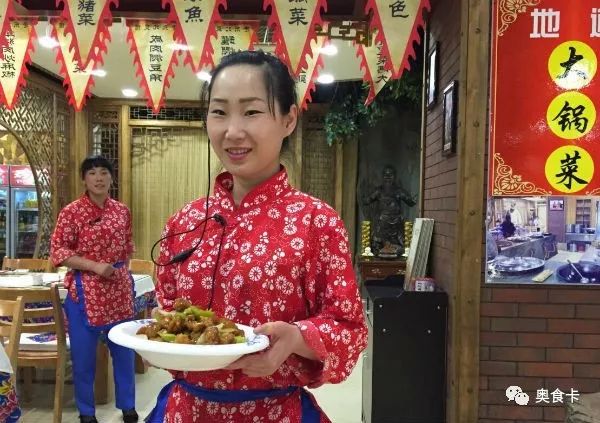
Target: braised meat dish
x=188, y=324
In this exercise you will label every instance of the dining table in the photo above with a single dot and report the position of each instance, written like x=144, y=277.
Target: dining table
x=144, y=300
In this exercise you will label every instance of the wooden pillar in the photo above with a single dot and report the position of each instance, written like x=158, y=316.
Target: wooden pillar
x=124, y=156
x=472, y=137
x=55, y=161
x=79, y=150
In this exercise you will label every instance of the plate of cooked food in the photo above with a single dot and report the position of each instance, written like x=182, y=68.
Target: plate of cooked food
x=188, y=339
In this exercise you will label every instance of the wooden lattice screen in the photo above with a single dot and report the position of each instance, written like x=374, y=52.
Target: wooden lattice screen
x=41, y=123
x=105, y=142
x=318, y=159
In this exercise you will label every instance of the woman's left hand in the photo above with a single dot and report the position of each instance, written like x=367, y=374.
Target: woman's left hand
x=285, y=340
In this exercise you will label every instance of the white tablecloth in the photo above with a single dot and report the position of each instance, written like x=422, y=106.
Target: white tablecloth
x=28, y=280
x=4, y=361
x=143, y=283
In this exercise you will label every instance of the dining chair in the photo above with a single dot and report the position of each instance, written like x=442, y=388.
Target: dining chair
x=142, y=267
x=35, y=265
x=47, y=323
x=10, y=330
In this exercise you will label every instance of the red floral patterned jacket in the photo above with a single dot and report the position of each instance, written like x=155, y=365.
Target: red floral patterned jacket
x=285, y=256
x=103, y=235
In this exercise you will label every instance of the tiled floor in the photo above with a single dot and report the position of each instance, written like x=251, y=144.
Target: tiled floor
x=328, y=396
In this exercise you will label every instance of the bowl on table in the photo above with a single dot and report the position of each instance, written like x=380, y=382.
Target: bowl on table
x=566, y=273
x=185, y=357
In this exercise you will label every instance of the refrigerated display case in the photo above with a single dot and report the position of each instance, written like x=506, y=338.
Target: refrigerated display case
x=23, y=213
x=4, y=202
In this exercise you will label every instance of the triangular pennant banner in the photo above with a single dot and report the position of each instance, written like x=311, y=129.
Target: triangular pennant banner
x=17, y=54
x=294, y=23
x=234, y=36
x=397, y=22
x=87, y=22
x=305, y=82
x=7, y=11
x=151, y=42
x=194, y=27
x=77, y=80
x=376, y=70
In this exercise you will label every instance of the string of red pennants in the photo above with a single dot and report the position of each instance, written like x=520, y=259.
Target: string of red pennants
x=203, y=38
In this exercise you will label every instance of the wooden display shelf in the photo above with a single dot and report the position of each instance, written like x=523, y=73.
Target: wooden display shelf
x=380, y=269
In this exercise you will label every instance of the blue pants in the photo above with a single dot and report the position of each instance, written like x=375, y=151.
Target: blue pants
x=84, y=341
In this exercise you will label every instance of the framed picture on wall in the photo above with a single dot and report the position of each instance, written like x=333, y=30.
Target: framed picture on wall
x=432, y=74
x=449, y=115
x=557, y=204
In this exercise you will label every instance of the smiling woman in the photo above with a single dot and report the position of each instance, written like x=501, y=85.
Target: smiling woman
x=277, y=260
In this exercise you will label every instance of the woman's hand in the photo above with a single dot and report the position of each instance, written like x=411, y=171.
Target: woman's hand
x=106, y=270
x=286, y=339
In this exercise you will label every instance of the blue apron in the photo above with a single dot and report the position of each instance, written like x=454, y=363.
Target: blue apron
x=81, y=297
x=310, y=414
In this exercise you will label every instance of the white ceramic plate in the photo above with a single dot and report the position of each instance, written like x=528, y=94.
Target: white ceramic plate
x=183, y=356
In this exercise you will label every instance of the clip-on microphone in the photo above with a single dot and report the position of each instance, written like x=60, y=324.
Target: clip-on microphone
x=185, y=254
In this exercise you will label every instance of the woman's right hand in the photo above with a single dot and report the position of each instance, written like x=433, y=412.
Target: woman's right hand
x=106, y=270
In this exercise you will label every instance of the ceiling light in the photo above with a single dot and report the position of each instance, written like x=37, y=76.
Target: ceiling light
x=204, y=76
x=329, y=50
x=48, y=42
x=326, y=78
x=98, y=72
x=128, y=92
x=179, y=47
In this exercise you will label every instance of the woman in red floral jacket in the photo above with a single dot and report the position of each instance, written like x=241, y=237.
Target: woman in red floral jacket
x=93, y=238
x=270, y=257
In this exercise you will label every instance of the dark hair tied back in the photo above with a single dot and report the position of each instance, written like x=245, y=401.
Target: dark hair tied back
x=280, y=85
x=95, y=161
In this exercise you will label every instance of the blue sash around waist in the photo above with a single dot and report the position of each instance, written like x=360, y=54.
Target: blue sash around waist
x=310, y=414
x=81, y=297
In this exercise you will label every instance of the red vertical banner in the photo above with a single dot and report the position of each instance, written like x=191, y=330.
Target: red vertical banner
x=294, y=29
x=234, y=36
x=376, y=68
x=545, y=94
x=153, y=56
x=87, y=23
x=305, y=82
x=78, y=80
x=397, y=22
x=195, y=25
x=17, y=54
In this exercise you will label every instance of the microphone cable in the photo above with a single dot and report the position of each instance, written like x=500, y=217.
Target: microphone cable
x=185, y=254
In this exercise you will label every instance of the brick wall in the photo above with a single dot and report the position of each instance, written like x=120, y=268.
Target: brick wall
x=537, y=337
x=533, y=336
x=440, y=171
